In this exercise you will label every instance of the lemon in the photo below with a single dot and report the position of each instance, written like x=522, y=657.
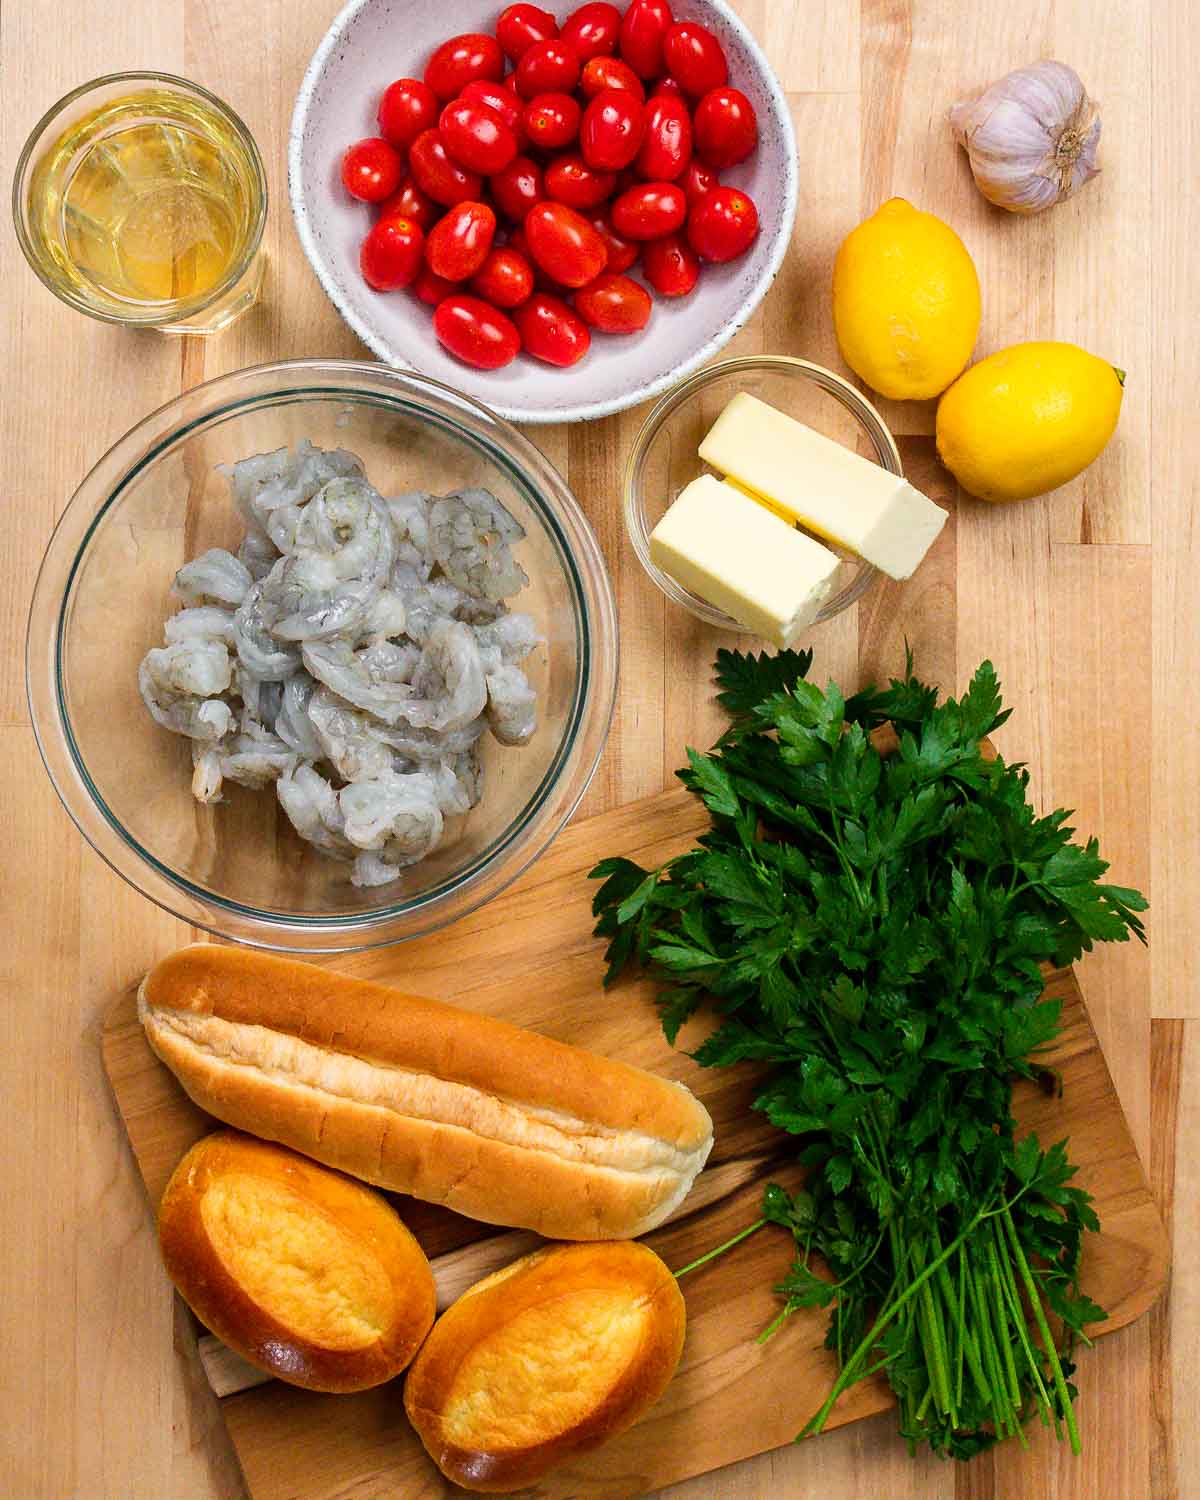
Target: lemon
x=1027, y=419
x=905, y=302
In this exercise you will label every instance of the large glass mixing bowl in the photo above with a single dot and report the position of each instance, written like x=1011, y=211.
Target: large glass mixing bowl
x=155, y=500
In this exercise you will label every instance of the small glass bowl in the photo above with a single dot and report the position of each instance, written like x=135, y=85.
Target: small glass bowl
x=156, y=499
x=665, y=457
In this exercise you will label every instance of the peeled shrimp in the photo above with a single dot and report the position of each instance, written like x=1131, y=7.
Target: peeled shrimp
x=352, y=675
x=312, y=808
x=179, y=685
x=449, y=680
x=206, y=771
x=506, y=641
x=393, y=811
x=511, y=706
x=472, y=536
x=215, y=577
x=258, y=651
x=348, y=739
x=198, y=623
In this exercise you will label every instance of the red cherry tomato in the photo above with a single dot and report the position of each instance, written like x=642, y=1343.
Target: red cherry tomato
x=505, y=279
x=476, y=137
x=666, y=86
x=431, y=288
x=694, y=57
x=697, y=180
x=570, y=180
x=551, y=331
x=459, y=242
x=722, y=224
x=592, y=30
x=643, y=27
x=518, y=242
x=371, y=169
x=552, y=120
x=609, y=73
x=666, y=145
x=613, y=304
x=462, y=58
x=518, y=187
x=621, y=253
x=726, y=127
x=391, y=254
x=649, y=211
x=519, y=26
x=547, y=68
x=407, y=108
x=670, y=266
x=499, y=97
x=409, y=202
x=612, y=129
x=435, y=174
x=564, y=244
x=476, y=333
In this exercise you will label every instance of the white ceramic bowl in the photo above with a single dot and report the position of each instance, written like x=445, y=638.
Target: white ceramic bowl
x=373, y=42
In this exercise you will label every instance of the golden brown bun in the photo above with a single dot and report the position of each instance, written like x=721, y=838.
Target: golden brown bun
x=544, y=1360
x=496, y=1122
x=305, y=1273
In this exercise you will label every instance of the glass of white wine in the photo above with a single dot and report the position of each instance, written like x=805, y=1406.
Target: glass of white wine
x=140, y=199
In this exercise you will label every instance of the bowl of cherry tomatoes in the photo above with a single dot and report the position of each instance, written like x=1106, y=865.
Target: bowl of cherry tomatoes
x=562, y=210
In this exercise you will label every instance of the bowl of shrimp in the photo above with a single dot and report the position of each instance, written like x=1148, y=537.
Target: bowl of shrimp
x=321, y=655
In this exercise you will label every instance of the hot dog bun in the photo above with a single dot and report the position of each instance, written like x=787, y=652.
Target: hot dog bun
x=499, y=1123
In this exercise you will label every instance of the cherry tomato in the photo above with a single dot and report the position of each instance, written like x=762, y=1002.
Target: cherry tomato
x=476, y=333
x=603, y=73
x=722, y=224
x=612, y=129
x=645, y=24
x=432, y=288
x=391, y=254
x=459, y=242
x=621, y=253
x=626, y=179
x=666, y=146
x=500, y=97
x=592, y=30
x=519, y=26
x=457, y=61
x=726, y=127
x=409, y=202
x=407, y=108
x=670, y=266
x=476, y=137
x=613, y=304
x=649, y=211
x=518, y=242
x=371, y=169
x=518, y=187
x=570, y=180
x=434, y=173
x=564, y=244
x=551, y=331
x=666, y=86
x=694, y=57
x=550, y=67
x=505, y=279
x=697, y=180
x=552, y=120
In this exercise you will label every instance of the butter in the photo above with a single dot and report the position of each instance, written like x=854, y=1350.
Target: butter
x=726, y=547
x=819, y=484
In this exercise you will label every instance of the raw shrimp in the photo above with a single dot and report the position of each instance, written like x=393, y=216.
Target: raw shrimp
x=267, y=481
x=511, y=706
x=449, y=681
x=507, y=641
x=452, y=796
x=352, y=675
x=349, y=741
x=427, y=604
x=179, y=685
x=468, y=772
x=292, y=723
x=410, y=518
x=258, y=651
x=393, y=812
x=261, y=701
x=255, y=760
x=206, y=771
x=312, y=808
x=199, y=622
x=472, y=536
x=258, y=554
x=215, y=577
x=386, y=617
x=425, y=745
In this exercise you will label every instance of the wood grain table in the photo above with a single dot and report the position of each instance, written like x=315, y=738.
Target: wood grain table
x=1087, y=602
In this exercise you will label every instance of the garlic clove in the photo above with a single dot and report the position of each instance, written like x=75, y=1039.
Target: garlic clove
x=1031, y=138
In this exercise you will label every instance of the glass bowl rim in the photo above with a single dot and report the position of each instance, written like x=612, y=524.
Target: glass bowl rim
x=545, y=813
x=833, y=384
x=183, y=310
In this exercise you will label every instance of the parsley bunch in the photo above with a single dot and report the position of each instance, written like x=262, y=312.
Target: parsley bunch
x=872, y=928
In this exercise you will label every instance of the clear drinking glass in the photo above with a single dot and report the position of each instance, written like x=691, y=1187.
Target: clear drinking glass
x=140, y=199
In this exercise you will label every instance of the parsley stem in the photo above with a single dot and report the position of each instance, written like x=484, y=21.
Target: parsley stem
x=1035, y=1301
x=721, y=1249
x=1012, y=1296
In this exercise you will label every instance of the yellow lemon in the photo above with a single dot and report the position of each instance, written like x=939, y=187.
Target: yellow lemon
x=1027, y=419
x=905, y=302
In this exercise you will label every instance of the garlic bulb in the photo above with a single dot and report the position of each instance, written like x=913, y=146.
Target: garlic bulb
x=1031, y=138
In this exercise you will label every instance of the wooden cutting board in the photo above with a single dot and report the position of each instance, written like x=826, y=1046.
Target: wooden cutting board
x=529, y=956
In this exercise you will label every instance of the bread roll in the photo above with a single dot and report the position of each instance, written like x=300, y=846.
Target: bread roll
x=544, y=1360
x=304, y=1273
x=498, y=1123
